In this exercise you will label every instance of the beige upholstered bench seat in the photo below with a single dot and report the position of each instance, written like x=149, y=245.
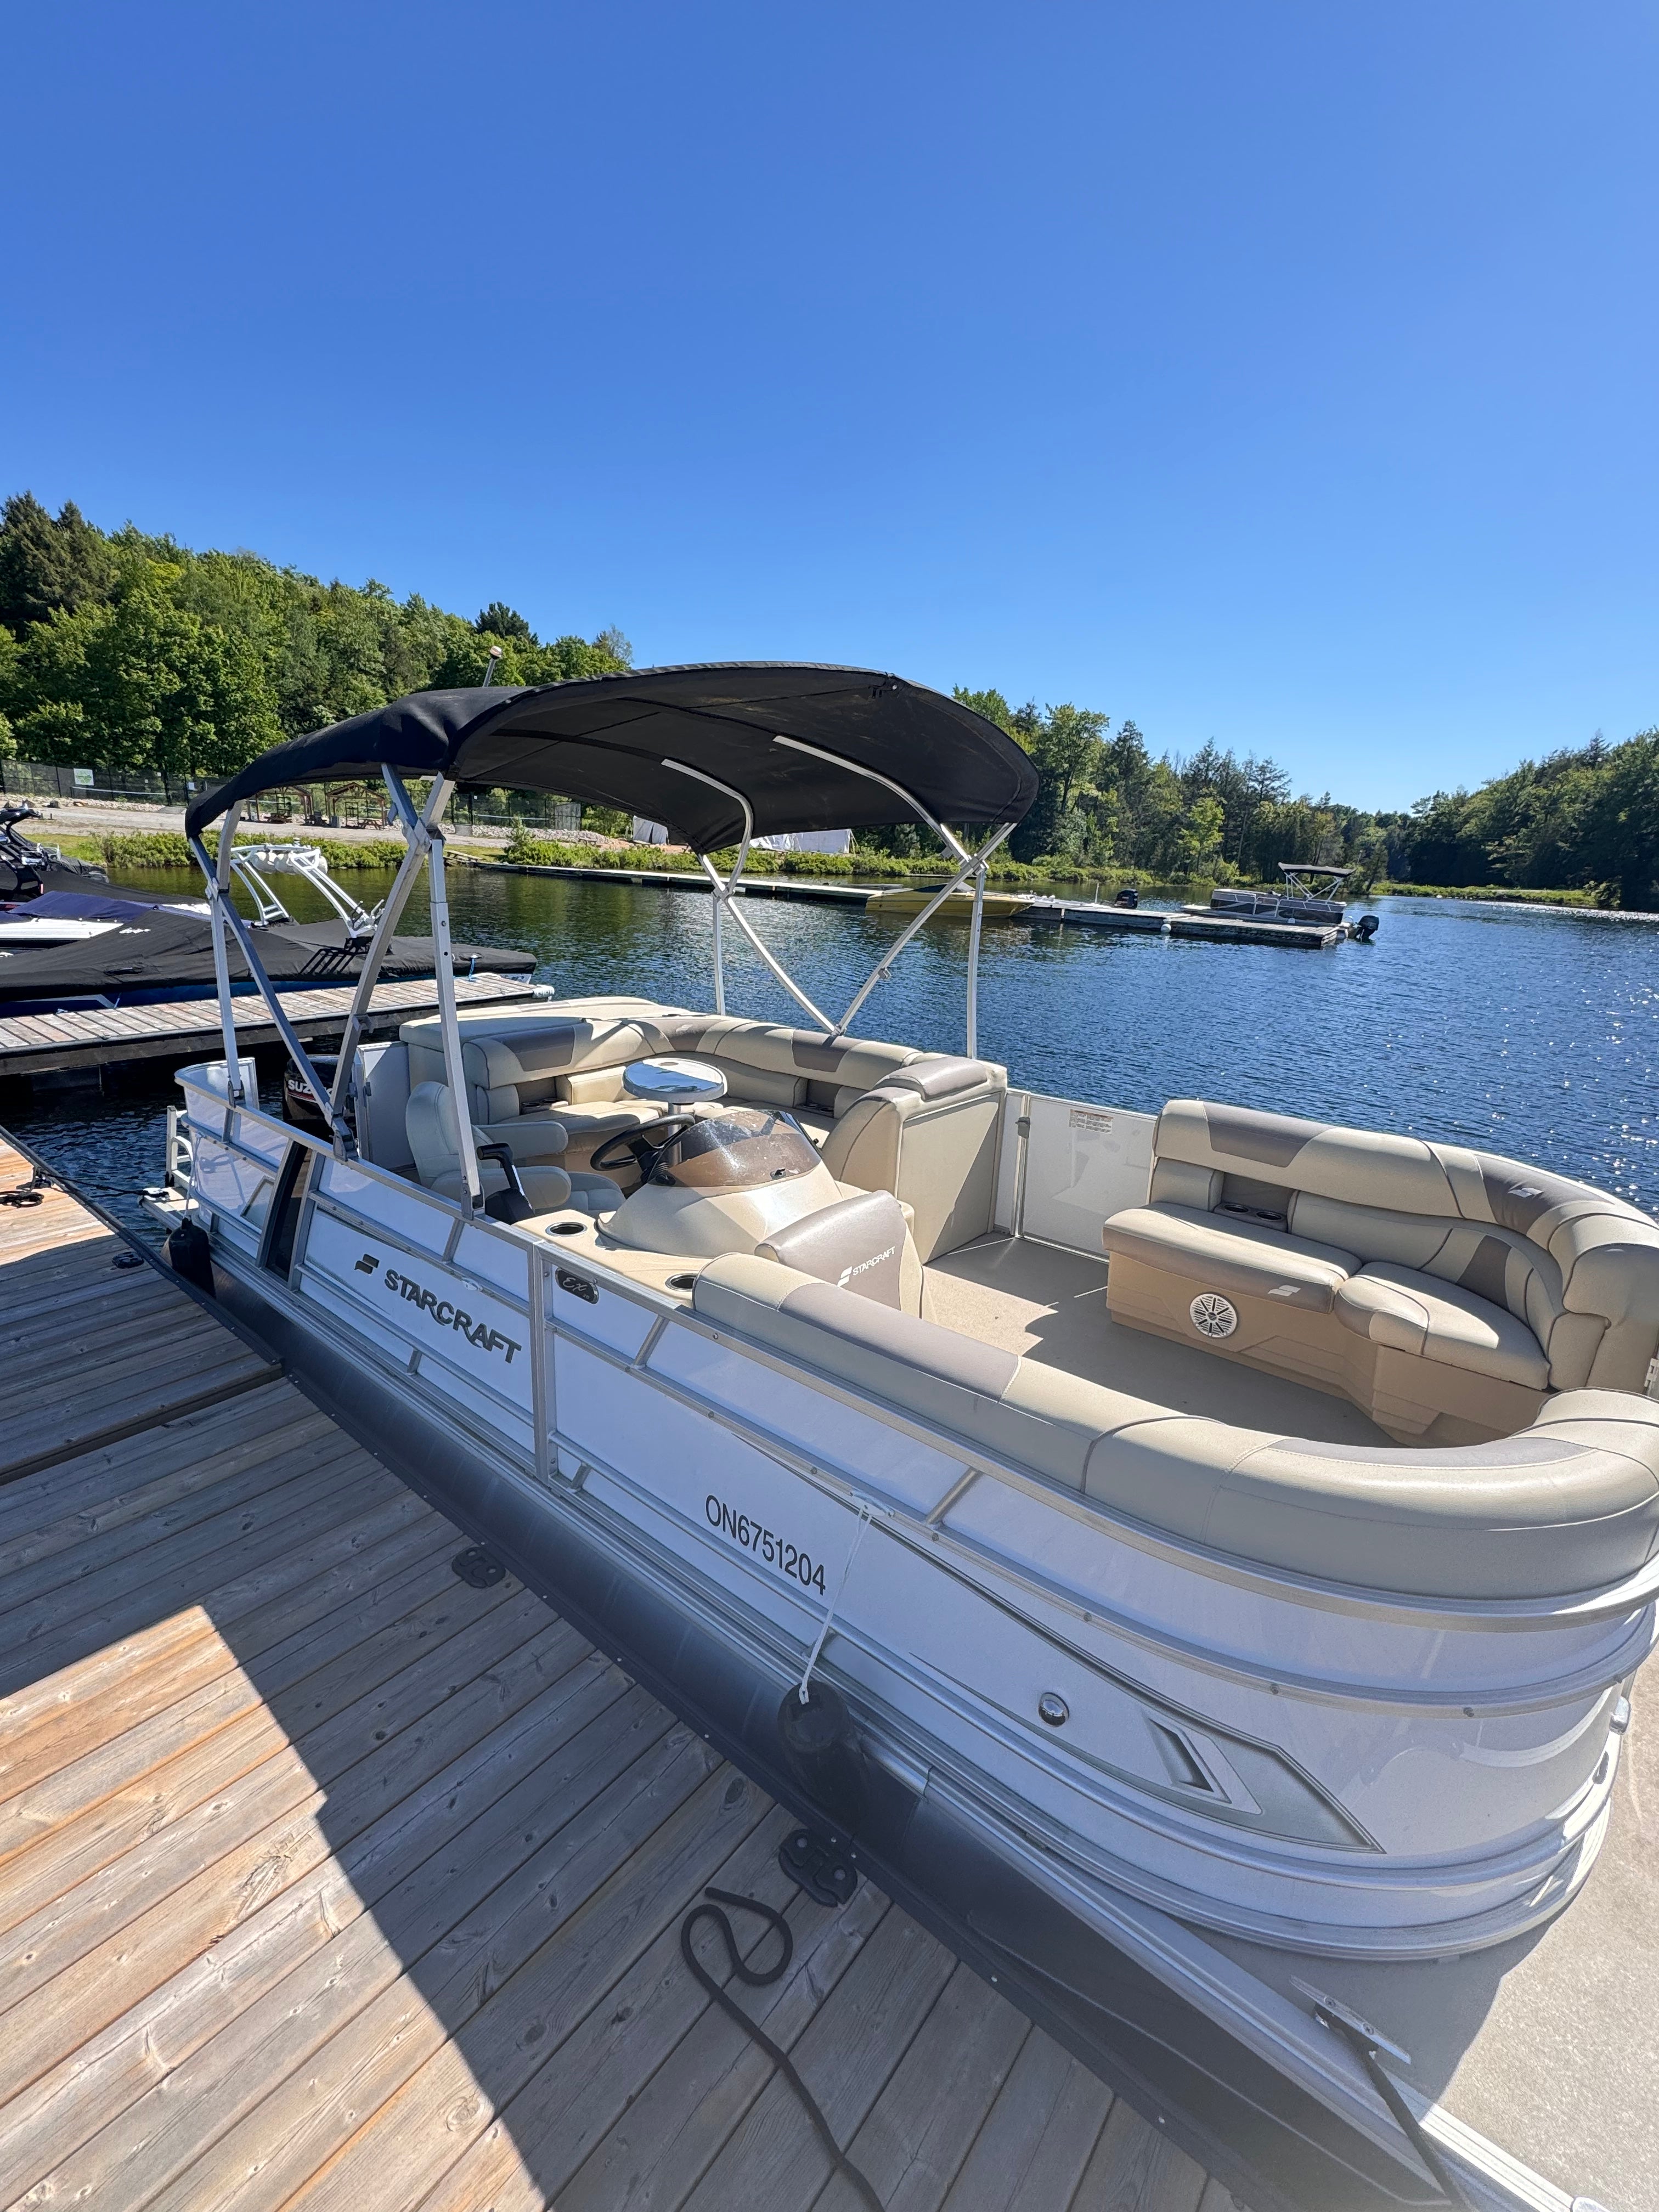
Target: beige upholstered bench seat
x=924, y=1126
x=1571, y=1504
x=1234, y=1254
x=1415, y=1313
x=1443, y=1289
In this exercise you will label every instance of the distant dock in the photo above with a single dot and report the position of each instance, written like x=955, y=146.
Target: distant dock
x=813, y=890
x=902, y=901
x=331, y=1879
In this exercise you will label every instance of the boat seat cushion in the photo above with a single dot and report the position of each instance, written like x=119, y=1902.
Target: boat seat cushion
x=1570, y=1504
x=1440, y=1321
x=1231, y=1252
x=945, y=1377
x=861, y=1243
x=928, y=1133
x=1578, y=1267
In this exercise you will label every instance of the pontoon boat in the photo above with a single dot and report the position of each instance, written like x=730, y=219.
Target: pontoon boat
x=1226, y=1650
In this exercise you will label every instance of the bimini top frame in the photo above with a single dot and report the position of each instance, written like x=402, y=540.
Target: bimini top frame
x=720, y=753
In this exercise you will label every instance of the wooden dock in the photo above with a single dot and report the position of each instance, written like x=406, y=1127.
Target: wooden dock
x=329, y=1880
x=183, y=1028
x=1238, y=929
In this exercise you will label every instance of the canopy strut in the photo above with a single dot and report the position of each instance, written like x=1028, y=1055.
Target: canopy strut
x=726, y=903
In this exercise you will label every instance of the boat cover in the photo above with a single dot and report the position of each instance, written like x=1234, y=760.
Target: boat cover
x=166, y=950
x=605, y=740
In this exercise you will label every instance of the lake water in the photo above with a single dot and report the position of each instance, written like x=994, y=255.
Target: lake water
x=1527, y=1032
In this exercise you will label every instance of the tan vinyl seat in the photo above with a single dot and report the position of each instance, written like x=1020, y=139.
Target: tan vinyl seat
x=928, y=1131
x=1414, y=1313
x=435, y=1141
x=1444, y=1289
x=1571, y=1505
x=924, y=1126
x=1234, y=1254
x=861, y=1243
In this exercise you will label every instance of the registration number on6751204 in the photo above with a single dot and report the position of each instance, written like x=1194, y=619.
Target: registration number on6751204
x=750, y=1535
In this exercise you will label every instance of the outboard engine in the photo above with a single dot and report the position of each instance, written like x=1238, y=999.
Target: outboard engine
x=1365, y=929
x=299, y=1108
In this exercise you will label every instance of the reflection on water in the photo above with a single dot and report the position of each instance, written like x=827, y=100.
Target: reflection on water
x=1531, y=1033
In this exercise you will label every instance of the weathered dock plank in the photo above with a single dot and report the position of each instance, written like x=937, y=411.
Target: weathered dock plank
x=45, y=1044
x=327, y=1881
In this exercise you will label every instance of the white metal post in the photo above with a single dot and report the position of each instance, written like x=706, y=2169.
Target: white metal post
x=973, y=929
x=724, y=900
x=402, y=883
x=262, y=983
x=448, y=1018
x=218, y=881
x=883, y=966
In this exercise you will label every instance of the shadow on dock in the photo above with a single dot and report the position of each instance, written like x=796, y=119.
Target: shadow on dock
x=328, y=1880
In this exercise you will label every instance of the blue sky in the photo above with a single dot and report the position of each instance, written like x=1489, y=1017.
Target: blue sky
x=1282, y=374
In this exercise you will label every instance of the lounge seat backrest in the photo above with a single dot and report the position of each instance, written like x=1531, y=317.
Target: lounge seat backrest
x=435, y=1140
x=1571, y=1504
x=923, y=1126
x=1579, y=1267
x=514, y=1061
x=928, y=1133
x=862, y=1244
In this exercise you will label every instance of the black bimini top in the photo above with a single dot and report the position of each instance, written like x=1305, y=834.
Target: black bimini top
x=605, y=740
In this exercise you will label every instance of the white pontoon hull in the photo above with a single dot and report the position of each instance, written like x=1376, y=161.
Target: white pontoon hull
x=1319, y=1768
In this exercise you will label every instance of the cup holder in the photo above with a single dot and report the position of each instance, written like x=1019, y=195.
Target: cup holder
x=566, y=1228
x=681, y=1283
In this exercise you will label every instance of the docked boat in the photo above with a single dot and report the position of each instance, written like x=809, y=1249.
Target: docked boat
x=1196, y=1562
x=1309, y=908
x=28, y=868
x=67, y=951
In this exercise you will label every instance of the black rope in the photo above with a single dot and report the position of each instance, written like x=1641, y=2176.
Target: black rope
x=728, y=2004
x=1365, y=2052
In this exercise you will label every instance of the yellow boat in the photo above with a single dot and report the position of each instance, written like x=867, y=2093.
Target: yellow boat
x=910, y=899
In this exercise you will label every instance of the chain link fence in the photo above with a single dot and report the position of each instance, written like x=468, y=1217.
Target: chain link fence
x=354, y=806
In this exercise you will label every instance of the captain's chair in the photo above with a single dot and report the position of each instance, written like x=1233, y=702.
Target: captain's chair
x=435, y=1140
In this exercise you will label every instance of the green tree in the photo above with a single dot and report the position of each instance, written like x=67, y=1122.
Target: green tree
x=143, y=682
x=499, y=620
x=46, y=565
x=1066, y=743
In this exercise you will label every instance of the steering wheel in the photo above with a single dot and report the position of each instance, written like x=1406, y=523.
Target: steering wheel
x=644, y=1146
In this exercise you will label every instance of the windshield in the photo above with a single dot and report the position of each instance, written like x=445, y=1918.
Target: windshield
x=735, y=1150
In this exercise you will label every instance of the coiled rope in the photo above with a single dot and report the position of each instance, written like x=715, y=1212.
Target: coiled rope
x=728, y=2004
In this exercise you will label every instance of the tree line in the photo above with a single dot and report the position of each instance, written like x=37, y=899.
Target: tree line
x=129, y=650
x=133, y=651
x=1584, y=819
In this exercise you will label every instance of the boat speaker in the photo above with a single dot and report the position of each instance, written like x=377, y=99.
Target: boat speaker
x=1213, y=1315
x=822, y=1750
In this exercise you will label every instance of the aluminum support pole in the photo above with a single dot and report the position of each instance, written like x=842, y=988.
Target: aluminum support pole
x=218, y=878
x=725, y=901
x=885, y=966
x=396, y=898
x=953, y=842
x=974, y=928
x=448, y=1018
x=262, y=982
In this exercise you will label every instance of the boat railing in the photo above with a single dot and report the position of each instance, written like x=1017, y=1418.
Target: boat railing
x=471, y=1248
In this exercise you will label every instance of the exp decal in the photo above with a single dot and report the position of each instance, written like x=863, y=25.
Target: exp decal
x=451, y=1316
